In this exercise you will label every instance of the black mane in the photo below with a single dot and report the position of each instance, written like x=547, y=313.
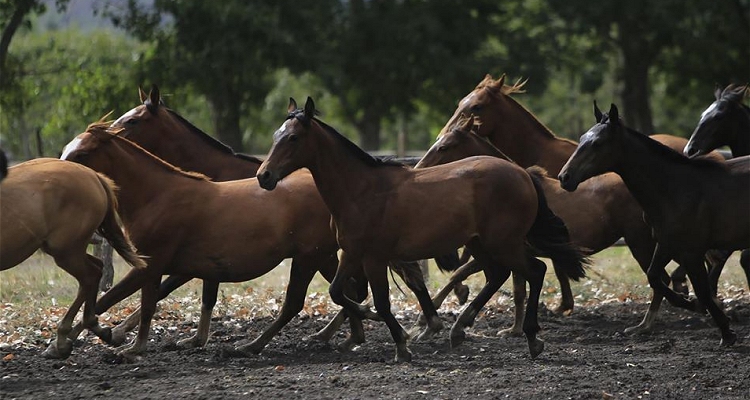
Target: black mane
x=353, y=148
x=213, y=142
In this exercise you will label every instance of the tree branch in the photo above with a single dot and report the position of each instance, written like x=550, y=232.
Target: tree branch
x=22, y=8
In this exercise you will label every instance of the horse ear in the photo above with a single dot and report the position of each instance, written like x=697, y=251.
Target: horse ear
x=154, y=99
x=292, y=106
x=717, y=91
x=597, y=113
x=143, y=96
x=310, y=108
x=614, y=114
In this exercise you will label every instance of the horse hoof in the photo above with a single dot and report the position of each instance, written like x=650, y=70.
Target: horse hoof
x=421, y=321
x=510, y=332
x=53, y=352
x=130, y=354
x=117, y=337
x=462, y=292
x=536, y=347
x=638, y=329
x=458, y=336
x=564, y=310
x=729, y=339
x=191, y=342
x=681, y=288
x=403, y=356
x=250, y=348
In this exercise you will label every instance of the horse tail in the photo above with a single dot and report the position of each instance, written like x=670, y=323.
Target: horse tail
x=111, y=227
x=448, y=262
x=409, y=271
x=550, y=237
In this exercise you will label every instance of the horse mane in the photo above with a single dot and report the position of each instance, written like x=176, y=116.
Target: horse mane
x=213, y=142
x=356, y=150
x=114, y=133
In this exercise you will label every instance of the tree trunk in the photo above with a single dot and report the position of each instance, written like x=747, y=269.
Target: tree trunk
x=635, y=94
x=369, y=130
x=22, y=8
x=225, y=114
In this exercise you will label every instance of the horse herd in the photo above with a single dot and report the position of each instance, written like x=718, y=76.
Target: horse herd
x=152, y=181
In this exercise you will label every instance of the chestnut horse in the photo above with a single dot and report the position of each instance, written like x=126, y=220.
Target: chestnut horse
x=383, y=210
x=692, y=205
x=166, y=134
x=726, y=122
x=521, y=136
x=57, y=206
x=219, y=232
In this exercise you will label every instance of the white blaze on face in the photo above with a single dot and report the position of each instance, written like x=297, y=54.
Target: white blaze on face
x=119, y=121
x=705, y=113
x=69, y=148
x=281, y=130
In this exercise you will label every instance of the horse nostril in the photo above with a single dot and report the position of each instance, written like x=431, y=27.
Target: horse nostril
x=563, y=178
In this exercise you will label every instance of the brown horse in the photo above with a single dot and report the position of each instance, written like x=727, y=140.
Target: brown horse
x=383, y=210
x=219, y=232
x=692, y=205
x=726, y=122
x=521, y=136
x=169, y=136
x=57, y=206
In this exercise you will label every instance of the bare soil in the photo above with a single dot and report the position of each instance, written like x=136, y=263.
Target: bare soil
x=586, y=356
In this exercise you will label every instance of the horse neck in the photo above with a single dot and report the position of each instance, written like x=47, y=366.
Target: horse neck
x=340, y=176
x=529, y=142
x=740, y=146
x=191, y=153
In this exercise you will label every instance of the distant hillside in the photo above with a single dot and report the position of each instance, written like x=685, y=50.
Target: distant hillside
x=79, y=13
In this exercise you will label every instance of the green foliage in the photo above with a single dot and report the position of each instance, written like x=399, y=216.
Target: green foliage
x=67, y=79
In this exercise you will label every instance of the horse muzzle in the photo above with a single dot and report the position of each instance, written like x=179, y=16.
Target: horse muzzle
x=566, y=182
x=267, y=180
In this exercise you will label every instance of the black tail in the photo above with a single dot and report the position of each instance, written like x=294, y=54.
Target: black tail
x=550, y=237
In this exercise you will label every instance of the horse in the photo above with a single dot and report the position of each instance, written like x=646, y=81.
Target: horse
x=383, y=210
x=583, y=211
x=56, y=206
x=726, y=122
x=692, y=205
x=514, y=130
x=169, y=136
x=3, y=165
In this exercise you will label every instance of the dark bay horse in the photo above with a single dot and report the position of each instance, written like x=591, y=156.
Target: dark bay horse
x=692, y=205
x=216, y=231
x=521, y=136
x=726, y=122
x=3, y=165
x=169, y=136
x=383, y=210
x=56, y=206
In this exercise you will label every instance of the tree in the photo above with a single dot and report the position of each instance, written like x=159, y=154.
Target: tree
x=681, y=38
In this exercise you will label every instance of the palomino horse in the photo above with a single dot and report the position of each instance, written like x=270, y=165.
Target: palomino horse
x=692, y=205
x=726, y=122
x=189, y=226
x=519, y=134
x=56, y=206
x=383, y=210
x=169, y=136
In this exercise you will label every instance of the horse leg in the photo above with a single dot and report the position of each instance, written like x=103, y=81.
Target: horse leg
x=416, y=284
x=679, y=280
x=716, y=259
x=377, y=274
x=566, y=303
x=495, y=277
x=87, y=273
x=655, y=279
x=167, y=286
x=647, y=323
x=149, y=298
x=348, y=265
x=458, y=276
x=519, y=301
x=300, y=277
x=699, y=279
x=451, y=262
x=534, y=274
x=745, y=264
x=208, y=301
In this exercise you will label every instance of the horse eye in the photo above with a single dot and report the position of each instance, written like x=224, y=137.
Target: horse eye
x=475, y=108
x=293, y=138
x=131, y=121
x=441, y=148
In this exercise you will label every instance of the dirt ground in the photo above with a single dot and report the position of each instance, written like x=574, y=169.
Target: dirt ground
x=586, y=356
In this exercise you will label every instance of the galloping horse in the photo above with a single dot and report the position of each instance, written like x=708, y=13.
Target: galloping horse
x=166, y=134
x=692, y=205
x=219, y=232
x=521, y=136
x=383, y=210
x=57, y=206
x=726, y=122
